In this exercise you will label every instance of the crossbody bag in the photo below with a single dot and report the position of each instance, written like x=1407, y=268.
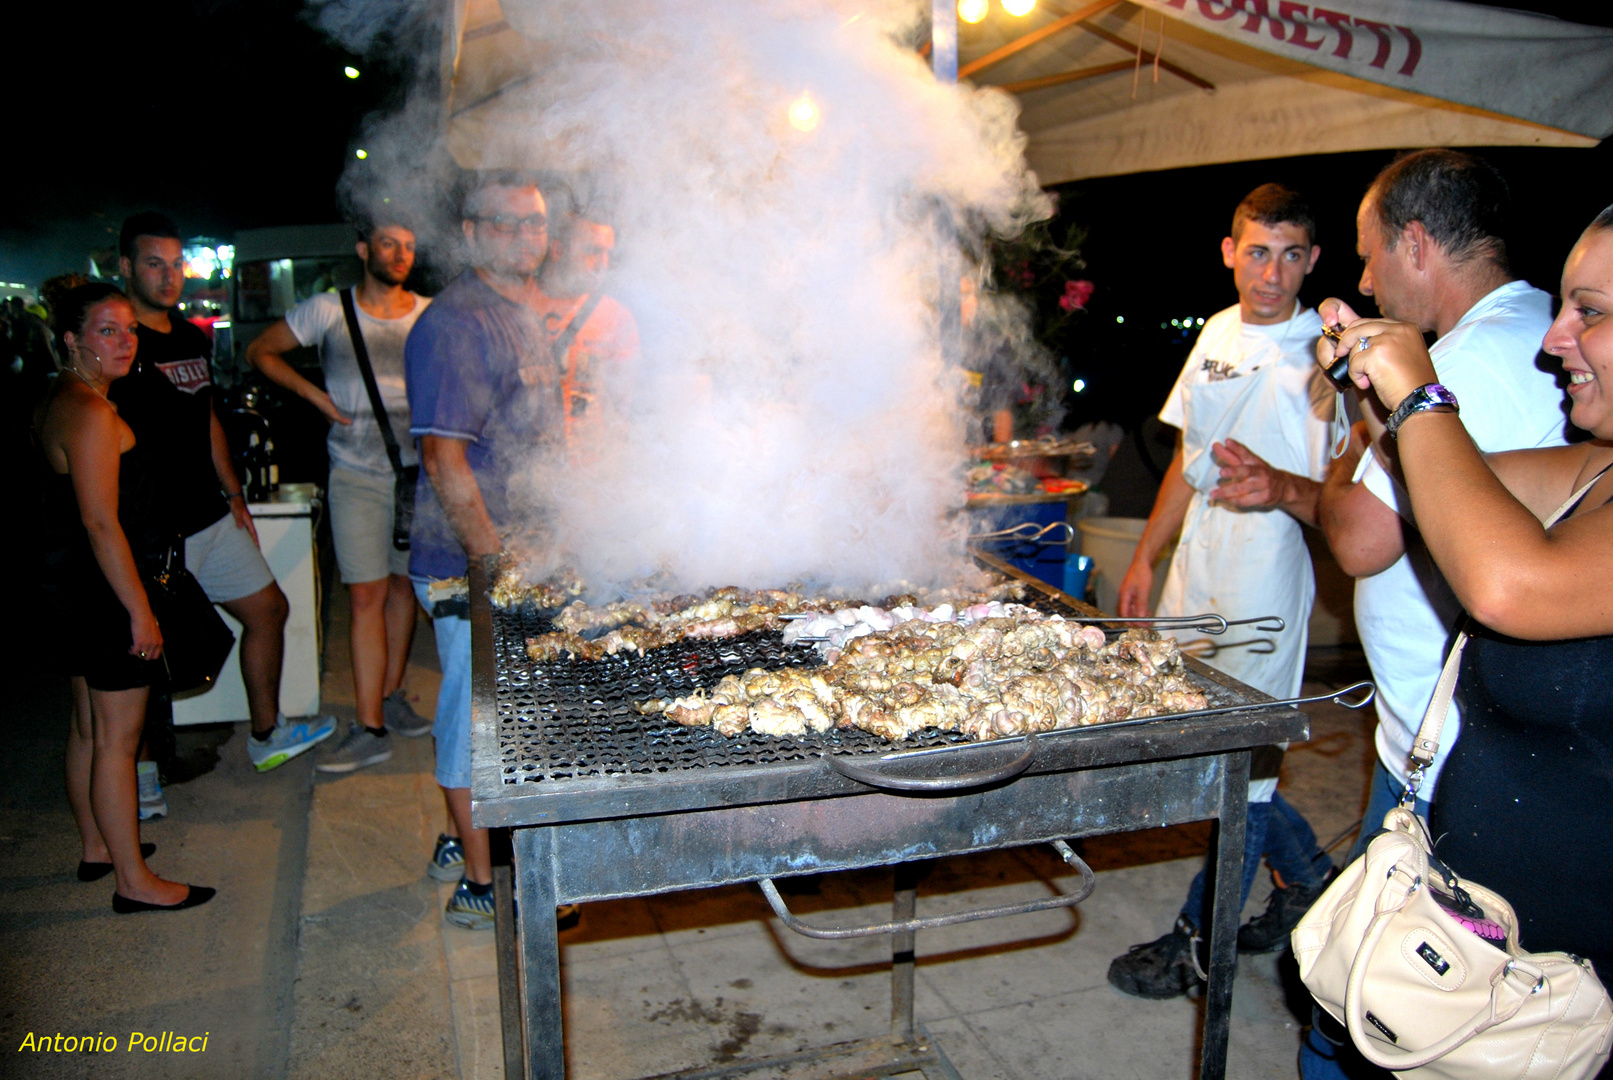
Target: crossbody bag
x=404, y=477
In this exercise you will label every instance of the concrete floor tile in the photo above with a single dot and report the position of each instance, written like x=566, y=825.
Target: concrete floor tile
x=630, y=1016
x=477, y=1033
x=966, y=1051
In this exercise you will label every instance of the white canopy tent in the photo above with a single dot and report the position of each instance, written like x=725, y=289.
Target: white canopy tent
x=1122, y=86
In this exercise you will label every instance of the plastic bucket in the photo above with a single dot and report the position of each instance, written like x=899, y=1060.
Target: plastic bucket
x=1112, y=542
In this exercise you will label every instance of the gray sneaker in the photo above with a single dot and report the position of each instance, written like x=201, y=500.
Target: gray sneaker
x=357, y=749
x=400, y=716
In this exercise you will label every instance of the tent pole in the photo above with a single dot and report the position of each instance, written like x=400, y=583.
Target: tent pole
x=944, y=63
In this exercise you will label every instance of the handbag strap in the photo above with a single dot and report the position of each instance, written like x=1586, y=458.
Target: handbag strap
x=362, y=355
x=1426, y=745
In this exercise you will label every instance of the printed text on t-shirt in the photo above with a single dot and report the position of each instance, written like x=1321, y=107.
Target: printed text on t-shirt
x=189, y=375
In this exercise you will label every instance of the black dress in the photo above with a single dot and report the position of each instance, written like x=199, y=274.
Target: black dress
x=1524, y=802
x=88, y=624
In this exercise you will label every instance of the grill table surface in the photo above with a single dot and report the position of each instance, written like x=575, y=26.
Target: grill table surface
x=604, y=803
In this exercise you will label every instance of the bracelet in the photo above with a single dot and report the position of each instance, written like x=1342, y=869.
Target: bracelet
x=228, y=495
x=1422, y=399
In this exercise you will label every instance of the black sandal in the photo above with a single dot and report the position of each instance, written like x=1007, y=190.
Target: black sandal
x=197, y=896
x=95, y=871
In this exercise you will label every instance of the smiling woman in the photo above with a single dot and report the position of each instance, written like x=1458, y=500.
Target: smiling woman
x=1522, y=792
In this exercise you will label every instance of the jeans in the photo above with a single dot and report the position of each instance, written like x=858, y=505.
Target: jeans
x=1326, y=1053
x=451, y=728
x=1277, y=832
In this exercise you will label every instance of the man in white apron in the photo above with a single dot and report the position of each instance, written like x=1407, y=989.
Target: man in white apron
x=1255, y=414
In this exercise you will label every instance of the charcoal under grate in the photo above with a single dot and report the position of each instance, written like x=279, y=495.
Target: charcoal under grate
x=575, y=719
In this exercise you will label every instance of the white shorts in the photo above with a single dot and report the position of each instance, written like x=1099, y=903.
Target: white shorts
x=226, y=562
x=361, y=508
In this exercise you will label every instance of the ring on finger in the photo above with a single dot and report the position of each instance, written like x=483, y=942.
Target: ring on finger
x=1363, y=343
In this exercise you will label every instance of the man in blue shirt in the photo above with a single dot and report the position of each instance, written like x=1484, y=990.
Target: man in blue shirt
x=484, y=396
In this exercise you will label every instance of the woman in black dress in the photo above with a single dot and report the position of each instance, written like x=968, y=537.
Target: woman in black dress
x=99, y=530
x=1525, y=797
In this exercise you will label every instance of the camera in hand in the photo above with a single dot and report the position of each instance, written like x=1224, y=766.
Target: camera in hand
x=1338, y=372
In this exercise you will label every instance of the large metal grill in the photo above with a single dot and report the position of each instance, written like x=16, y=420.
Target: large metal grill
x=570, y=719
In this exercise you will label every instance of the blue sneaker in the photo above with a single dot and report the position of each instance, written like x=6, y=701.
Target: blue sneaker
x=289, y=739
x=448, y=860
x=467, y=909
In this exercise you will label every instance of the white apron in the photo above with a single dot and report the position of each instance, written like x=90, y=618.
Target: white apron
x=1244, y=564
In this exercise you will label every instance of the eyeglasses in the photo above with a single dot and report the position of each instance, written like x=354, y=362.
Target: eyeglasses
x=509, y=226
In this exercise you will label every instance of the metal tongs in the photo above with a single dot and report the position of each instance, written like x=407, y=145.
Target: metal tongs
x=1209, y=622
x=1028, y=531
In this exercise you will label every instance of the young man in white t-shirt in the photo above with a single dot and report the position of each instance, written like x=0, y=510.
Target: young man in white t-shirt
x=1254, y=411
x=360, y=491
x=1430, y=231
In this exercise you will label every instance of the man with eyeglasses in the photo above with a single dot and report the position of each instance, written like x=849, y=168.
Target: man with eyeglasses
x=484, y=396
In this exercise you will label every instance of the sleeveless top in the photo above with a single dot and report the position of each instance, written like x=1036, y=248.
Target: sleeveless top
x=1522, y=806
x=71, y=569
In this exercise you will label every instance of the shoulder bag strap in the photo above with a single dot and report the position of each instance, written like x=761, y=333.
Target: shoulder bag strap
x=1426, y=745
x=362, y=355
x=562, y=344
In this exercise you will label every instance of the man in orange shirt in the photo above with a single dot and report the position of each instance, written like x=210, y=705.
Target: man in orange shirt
x=588, y=330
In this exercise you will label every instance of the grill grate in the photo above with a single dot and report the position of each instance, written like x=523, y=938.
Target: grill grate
x=574, y=719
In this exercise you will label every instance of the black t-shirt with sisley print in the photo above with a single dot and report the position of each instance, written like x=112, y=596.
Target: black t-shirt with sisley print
x=167, y=399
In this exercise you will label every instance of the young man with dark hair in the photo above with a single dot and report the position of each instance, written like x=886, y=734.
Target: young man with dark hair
x=360, y=492
x=1250, y=393
x=168, y=400
x=1431, y=232
x=589, y=331
x=484, y=392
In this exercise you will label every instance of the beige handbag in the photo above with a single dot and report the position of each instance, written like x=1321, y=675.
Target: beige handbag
x=1421, y=993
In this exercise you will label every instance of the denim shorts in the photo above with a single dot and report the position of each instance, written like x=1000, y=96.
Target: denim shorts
x=451, y=729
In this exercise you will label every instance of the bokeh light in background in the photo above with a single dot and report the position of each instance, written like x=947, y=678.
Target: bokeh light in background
x=1019, y=8
x=972, y=11
x=350, y=71
x=804, y=114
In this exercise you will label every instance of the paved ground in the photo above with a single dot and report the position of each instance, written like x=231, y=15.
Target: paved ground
x=325, y=955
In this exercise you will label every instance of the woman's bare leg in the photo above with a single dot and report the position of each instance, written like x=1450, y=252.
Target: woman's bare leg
x=80, y=758
x=115, y=798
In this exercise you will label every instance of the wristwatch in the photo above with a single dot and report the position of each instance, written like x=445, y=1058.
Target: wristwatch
x=1431, y=396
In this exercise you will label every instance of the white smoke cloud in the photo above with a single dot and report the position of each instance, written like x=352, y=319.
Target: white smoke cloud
x=790, y=418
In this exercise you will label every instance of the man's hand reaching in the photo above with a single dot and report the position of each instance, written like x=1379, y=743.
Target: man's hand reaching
x=1248, y=482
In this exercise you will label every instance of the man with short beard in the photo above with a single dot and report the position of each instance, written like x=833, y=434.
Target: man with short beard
x=360, y=490
x=168, y=400
x=484, y=395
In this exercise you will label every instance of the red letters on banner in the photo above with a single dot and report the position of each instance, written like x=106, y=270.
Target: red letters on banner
x=1298, y=20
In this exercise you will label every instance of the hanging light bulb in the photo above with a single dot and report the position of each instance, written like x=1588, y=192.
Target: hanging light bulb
x=804, y=114
x=972, y=11
x=1018, y=8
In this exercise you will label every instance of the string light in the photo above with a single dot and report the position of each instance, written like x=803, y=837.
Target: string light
x=972, y=11
x=804, y=114
x=1019, y=8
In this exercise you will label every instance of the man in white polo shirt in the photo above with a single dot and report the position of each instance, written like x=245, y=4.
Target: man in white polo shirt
x=1431, y=232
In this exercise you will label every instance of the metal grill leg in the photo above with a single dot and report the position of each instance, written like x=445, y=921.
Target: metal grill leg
x=507, y=951
x=539, y=942
x=1229, y=836
x=903, y=906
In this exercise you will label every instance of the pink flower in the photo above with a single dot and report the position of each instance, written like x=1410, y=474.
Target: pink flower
x=1076, y=294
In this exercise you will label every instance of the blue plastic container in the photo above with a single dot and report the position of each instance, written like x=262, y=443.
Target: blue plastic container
x=1077, y=568
x=1043, y=561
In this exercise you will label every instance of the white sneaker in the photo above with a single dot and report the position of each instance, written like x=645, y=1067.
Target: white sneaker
x=153, y=804
x=288, y=740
